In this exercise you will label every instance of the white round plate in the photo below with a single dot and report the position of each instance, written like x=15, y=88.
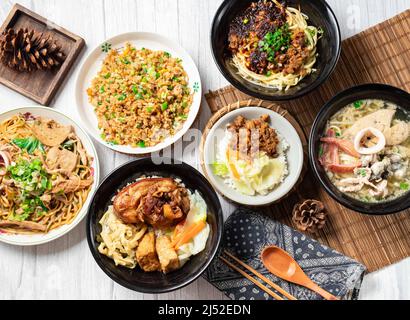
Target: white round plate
x=294, y=156
x=36, y=239
x=92, y=66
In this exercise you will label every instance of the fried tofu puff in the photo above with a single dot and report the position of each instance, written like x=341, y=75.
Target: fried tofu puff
x=146, y=254
x=167, y=255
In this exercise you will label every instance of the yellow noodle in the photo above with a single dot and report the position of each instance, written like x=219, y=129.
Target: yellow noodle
x=281, y=81
x=63, y=208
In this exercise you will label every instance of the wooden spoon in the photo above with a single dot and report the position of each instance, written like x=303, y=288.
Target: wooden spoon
x=282, y=265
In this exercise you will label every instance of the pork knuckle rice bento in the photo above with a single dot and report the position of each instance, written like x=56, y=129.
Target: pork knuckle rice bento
x=155, y=223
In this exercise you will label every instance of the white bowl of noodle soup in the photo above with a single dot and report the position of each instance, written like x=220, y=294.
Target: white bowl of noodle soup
x=59, y=117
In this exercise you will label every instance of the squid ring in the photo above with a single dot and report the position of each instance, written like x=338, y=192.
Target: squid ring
x=369, y=141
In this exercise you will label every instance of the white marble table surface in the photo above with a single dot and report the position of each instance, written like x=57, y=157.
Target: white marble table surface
x=65, y=269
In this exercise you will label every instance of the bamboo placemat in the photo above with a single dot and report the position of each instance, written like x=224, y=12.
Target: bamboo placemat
x=379, y=54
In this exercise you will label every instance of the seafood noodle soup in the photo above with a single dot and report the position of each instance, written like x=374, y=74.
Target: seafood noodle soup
x=46, y=174
x=365, y=150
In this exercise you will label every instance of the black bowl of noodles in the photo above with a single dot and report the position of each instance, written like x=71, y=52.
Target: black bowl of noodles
x=135, y=278
x=362, y=199
x=277, y=59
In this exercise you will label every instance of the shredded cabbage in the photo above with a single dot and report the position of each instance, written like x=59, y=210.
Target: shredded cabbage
x=259, y=176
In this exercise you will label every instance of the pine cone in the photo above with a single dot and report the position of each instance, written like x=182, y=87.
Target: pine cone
x=26, y=50
x=309, y=215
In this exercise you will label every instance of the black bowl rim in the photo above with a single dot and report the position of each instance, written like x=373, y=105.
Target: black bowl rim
x=312, y=153
x=96, y=255
x=298, y=94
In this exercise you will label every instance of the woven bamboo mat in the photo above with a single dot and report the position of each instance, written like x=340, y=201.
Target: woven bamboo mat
x=379, y=54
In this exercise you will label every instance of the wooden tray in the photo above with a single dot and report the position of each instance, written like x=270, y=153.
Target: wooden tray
x=40, y=86
x=379, y=54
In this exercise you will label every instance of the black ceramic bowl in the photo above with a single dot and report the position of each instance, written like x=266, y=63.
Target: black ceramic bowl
x=366, y=91
x=320, y=15
x=154, y=282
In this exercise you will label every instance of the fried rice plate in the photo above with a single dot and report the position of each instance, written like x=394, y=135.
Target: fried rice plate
x=140, y=96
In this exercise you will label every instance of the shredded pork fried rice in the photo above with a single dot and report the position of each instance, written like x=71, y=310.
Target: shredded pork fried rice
x=140, y=96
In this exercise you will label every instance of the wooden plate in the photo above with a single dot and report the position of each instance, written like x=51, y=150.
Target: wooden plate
x=40, y=86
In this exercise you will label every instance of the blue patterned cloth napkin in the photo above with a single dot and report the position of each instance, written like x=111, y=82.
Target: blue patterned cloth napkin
x=246, y=233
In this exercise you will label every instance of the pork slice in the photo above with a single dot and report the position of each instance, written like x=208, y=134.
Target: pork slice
x=27, y=225
x=63, y=160
x=72, y=184
x=50, y=133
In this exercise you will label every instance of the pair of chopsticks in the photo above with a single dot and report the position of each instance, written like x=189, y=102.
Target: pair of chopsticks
x=225, y=259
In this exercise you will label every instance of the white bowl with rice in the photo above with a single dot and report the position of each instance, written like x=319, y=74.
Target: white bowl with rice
x=266, y=179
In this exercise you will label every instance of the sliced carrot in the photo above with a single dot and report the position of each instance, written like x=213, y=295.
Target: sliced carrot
x=189, y=234
x=345, y=145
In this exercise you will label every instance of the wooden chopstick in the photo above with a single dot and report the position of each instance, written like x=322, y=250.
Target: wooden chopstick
x=247, y=276
x=261, y=276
